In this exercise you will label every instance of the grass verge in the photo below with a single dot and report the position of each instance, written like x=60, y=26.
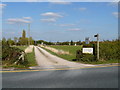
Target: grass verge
x=100, y=62
x=29, y=56
x=31, y=59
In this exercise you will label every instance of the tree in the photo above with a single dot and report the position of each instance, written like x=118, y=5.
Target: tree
x=23, y=40
x=71, y=42
x=10, y=42
x=4, y=42
x=31, y=41
x=15, y=40
x=24, y=34
x=78, y=42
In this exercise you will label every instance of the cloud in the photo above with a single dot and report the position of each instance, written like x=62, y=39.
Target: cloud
x=116, y=14
x=50, y=17
x=2, y=5
x=82, y=9
x=60, y=0
x=63, y=3
x=52, y=14
x=74, y=29
x=113, y=4
x=65, y=25
x=17, y=20
x=48, y=20
x=1, y=8
x=33, y=0
x=27, y=18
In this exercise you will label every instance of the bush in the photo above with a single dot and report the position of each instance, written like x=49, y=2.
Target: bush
x=88, y=58
x=11, y=54
x=109, y=50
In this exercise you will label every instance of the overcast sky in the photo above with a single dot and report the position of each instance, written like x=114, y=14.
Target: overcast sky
x=60, y=21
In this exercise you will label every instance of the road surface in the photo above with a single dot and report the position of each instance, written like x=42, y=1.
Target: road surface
x=102, y=77
x=55, y=72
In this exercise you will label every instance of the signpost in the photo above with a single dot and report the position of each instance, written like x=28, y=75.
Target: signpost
x=97, y=45
x=88, y=51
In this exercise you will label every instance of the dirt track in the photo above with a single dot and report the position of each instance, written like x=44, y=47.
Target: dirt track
x=45, y=59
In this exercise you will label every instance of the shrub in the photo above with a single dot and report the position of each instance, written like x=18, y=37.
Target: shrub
x=88, y=58
x=11, y=54
x=108, y=50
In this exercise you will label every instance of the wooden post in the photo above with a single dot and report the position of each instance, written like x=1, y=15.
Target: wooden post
x=97, y=46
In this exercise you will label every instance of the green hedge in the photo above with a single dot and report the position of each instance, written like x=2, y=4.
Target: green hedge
x=88, y=58
x=10, y=55
x=109, y=50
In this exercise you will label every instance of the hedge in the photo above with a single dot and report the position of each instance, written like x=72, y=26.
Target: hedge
x=108, y=50
x=11, y=54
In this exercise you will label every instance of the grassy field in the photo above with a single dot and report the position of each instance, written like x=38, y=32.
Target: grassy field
x=72, y=50
x=21, y=47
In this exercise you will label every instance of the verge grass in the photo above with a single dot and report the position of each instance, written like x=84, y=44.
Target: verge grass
x=31, y=58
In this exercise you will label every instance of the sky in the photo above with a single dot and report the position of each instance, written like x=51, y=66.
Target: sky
x=60, y=21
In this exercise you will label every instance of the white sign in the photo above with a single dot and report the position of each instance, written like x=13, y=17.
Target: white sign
x=87, y=50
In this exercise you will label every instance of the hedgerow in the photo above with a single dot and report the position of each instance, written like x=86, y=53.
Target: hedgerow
x=11, y=54
x=108, y=50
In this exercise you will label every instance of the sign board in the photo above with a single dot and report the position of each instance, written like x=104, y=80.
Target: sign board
x=87, y=50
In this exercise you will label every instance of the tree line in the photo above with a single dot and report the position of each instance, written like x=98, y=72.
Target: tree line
x=59, y=43
x=23, y=40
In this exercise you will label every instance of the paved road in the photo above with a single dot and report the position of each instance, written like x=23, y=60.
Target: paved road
x=102, y=77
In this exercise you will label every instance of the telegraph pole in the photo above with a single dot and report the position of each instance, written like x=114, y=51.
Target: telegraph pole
x=97, y=45
x=28, y=34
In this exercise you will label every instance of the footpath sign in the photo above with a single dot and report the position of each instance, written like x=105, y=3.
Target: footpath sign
x=87, y=50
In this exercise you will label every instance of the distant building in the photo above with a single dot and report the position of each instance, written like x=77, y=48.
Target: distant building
x=87, y=40
x=75, y=44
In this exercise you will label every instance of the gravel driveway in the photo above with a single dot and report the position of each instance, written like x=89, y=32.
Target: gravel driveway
x=45, y=59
